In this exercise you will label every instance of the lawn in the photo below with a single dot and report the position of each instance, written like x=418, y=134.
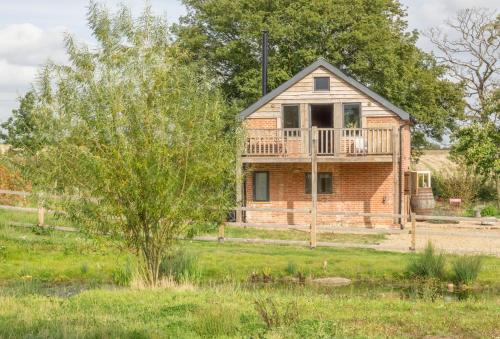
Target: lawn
x=58, y=284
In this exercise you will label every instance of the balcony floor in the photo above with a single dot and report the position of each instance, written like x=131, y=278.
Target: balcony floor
x=319, y=158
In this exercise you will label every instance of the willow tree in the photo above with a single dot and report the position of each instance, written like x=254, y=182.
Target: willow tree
x=134, y=140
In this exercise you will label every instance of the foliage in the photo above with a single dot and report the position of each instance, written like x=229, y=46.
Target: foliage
x=274, y=314
x=181, y=265
x=135, y=140
x=428, y=264
x=471, y=57
x=10, y=179
x=367, y=39
x=21, y=130
x=466, y=269
x=490, y=211
x=478, y=146
x=459, y=182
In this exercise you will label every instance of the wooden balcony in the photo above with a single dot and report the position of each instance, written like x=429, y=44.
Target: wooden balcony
x=332, y=144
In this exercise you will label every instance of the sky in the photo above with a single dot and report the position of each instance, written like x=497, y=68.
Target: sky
x=32, y=31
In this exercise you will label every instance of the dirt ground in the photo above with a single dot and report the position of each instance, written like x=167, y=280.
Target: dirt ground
x=452, y=238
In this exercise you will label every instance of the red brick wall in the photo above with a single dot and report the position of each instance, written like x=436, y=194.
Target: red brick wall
x=360, y=187
x=261, y=123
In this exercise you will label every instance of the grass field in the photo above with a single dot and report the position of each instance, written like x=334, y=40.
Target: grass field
x=56, y=284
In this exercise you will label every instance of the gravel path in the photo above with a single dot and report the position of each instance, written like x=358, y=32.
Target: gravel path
x=461, y=238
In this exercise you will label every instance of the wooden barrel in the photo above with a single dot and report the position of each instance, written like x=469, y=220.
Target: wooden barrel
x=423, y=202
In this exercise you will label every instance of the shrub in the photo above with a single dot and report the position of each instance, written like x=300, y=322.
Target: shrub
x=122, y=276
x=216, y=321
x=427, y=264
x=180, y=265
x=458, y=183
x=466, y=269
x=490, y=211
x=275, y=315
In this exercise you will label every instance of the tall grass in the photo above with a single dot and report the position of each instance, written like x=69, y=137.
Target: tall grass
x=427, y=264
x=182, y=266
x=466, y=269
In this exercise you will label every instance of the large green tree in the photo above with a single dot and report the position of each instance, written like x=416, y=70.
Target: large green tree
x=367, y=39
x=135, y=141
x=19, y=131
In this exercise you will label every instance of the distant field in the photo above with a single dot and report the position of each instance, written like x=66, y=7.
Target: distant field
x=434, y=160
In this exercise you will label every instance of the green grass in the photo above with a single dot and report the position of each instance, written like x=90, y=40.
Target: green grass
x=61, y=285
x=240, y=232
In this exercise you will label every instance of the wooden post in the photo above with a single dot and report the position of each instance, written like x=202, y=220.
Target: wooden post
x=41, y=216
x=413, y=232
x=395, y=171
x=221, y=233
x=314, y=187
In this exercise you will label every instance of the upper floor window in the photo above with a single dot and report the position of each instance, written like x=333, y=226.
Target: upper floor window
x=352, y=115
x=322, y=83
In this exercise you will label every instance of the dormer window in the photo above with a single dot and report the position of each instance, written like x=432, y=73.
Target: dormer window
x=322, y=83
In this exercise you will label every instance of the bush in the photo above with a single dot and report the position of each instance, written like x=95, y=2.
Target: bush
x=490, y=211
x=458, y=183
x=428, y=264
x=181, y=266
x=275, y=315
x=122, y=276
x=466, y=269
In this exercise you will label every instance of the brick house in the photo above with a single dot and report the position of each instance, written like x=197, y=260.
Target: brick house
x=323, y=140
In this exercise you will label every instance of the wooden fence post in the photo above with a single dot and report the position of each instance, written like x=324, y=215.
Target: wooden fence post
x=221, y=233
x=314, y=187
x=413, y=231
x=41, y=216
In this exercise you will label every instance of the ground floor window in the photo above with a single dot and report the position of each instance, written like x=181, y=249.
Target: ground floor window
x=325, y=183
x=261, y=186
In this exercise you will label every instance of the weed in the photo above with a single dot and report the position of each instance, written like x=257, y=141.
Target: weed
x=427, y=264
x=122, y=276
x=275, y=315
x=291, y=268
x=84, y=268
x=42, y=230
x=466, y=269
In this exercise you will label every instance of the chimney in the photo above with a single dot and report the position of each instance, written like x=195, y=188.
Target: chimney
x=264, y=62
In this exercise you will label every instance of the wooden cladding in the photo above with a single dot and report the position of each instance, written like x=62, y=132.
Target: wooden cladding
x=341, y=142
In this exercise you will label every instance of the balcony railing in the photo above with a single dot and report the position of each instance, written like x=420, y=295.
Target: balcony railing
x=336, y=142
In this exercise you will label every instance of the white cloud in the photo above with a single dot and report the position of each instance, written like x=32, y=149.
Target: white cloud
x=27, y=44
x=23, y=49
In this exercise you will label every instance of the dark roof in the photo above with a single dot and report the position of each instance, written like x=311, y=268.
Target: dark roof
x=323, y=63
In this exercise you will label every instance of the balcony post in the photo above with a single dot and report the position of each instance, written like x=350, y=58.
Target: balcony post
x=395, y=171
x=314, y=186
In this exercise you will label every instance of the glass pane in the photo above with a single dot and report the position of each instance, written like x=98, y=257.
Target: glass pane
x=322, y=84
x=308, y=183
x=261, y=186
x=324, y=183
x=291, y=117
x=352, y=116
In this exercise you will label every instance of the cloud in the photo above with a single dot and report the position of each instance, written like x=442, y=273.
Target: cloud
x=27, y=44
x=24, y=48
